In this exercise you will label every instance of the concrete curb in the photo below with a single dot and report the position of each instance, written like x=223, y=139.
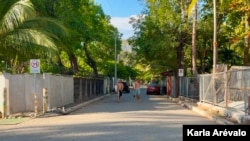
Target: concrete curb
x=215, y=118
x=234, y=115
x=74, y=108
x=192, y=105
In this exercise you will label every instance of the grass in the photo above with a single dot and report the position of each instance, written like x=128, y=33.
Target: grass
x=13, y=121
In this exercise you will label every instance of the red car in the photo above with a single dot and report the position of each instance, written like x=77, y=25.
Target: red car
x=153, y=88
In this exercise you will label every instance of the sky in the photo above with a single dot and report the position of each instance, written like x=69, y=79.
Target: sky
x=120, y=12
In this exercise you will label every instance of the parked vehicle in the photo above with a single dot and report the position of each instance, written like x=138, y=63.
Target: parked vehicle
x=126, y=87
x=153, y=88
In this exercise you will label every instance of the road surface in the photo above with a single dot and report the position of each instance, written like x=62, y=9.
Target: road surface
x=155, y=118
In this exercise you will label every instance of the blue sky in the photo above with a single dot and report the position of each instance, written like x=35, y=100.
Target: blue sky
x=120, y=11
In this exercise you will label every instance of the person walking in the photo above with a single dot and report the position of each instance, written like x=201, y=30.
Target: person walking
x=137, y=92
x=120, y=88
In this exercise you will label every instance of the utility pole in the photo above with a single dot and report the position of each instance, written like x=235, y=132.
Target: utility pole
x=214, y=39
x=115, y=79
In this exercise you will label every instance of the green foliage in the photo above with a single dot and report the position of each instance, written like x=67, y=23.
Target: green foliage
x=89, y=27
x=25, y=36
x=76, y=37
x=85, y=21
x=155, y=43
x=157, y=37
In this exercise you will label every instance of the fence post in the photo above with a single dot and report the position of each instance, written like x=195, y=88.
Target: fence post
x=4, y=102
x=248, y=104
x=36, y=104
x=45, y=100
x=226, y=89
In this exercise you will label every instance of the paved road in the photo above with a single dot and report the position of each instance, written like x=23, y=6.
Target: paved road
x=155, y=118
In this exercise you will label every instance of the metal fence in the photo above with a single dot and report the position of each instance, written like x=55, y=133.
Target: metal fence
x=189, y=87
x=89, y=88
x=230, y=89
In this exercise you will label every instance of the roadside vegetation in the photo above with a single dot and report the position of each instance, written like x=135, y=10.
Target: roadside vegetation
x=77, y=38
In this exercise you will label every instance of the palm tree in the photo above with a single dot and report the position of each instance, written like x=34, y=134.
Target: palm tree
x=24, y=35
x=193, y=6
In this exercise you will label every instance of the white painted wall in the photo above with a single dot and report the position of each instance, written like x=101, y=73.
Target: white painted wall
x=21, y=90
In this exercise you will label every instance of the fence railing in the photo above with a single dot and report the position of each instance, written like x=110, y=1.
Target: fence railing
x=189, y=87
x=229, y=89
x=89, y=88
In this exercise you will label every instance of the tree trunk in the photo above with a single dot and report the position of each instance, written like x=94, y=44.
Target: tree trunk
x=73, y=63
x=90, y=61
x=194, y=42
x=246, y=42
x=180, y=57
x=182, y=40
x=196, y=84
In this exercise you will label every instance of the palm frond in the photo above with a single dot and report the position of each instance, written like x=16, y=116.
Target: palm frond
x=191, y=6
x=24, y=33
x=15, y=15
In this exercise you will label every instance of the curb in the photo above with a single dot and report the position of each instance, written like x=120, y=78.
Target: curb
x=215, y=118
x=78, y=106
x=193, y=106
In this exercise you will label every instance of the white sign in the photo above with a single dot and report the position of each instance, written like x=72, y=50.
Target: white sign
x=34, y=65
x=181, y=72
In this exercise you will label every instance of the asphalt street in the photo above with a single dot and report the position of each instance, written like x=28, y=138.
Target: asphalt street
x=155, y=118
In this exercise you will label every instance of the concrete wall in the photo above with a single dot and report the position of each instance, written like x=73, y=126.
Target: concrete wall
x=22, y=88
x=60, y=90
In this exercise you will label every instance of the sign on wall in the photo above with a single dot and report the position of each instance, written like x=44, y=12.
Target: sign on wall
x=34, y=65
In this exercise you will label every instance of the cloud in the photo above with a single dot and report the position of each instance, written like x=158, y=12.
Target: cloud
x=122, y=24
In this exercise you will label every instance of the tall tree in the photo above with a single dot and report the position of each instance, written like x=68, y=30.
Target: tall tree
x=24, y=35
x=194, y=42
x=91, y=34
x=163, y=31
x=193, y=7
x=241, y=9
